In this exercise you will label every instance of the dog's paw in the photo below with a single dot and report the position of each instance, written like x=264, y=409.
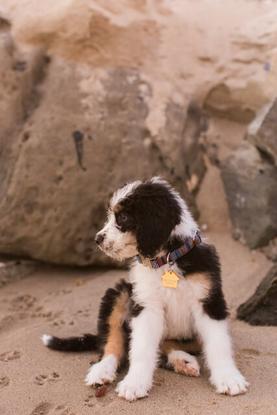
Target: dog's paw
x=184, y=363
x=185, y=368
x=230, y=382
x=132, y=388
x=102, y=372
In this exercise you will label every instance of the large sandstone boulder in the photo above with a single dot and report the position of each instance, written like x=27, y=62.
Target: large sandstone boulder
x=251, y=189
x=261, y=308
x=78, y=137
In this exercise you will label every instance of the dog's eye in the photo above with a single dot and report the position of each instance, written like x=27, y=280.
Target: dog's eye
x=123, y=218
x=124, y=221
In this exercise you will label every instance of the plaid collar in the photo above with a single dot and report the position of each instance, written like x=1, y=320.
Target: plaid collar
x=172, y=256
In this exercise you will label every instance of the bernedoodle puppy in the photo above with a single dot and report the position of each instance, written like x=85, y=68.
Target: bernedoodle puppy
x=172, y=302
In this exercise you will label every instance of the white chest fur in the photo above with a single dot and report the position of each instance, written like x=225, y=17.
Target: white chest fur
x=176, y=304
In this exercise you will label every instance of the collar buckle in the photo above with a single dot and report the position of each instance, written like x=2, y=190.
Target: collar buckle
x=169, y=261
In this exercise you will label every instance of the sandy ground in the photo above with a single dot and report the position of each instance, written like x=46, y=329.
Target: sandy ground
x=37, y=381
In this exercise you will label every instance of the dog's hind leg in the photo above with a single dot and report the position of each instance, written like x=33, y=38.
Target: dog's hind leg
x=175, y=356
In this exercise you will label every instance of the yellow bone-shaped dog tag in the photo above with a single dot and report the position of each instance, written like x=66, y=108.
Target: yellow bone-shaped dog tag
x=170, y=279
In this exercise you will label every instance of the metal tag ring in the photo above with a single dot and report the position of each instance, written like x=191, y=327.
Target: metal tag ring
x=170, y=262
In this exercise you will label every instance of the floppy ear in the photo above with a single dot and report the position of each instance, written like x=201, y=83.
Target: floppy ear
x=155, y=221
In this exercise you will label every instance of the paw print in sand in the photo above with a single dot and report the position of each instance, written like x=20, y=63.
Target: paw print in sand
x=11, y=355
x=43, y=379
x=4, y=381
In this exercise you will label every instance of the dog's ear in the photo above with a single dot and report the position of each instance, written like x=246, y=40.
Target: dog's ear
x=155, y=221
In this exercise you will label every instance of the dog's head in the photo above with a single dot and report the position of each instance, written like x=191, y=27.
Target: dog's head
x=141, y=217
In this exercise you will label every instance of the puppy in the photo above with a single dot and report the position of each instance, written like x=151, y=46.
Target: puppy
x=174, y=292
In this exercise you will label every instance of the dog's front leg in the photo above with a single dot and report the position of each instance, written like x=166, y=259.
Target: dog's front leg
x=146, y=334
x=217, y=347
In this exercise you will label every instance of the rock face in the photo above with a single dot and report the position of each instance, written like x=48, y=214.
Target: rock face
x=250, y=180
x=251, y=190
x=77, y=136
x=271, y=250
x=20, y=72
x=228, y=102
x=261, y=308
x=13, y=270
x=263, y=132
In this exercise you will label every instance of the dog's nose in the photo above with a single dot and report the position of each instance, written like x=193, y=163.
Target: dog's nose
x=99, y=238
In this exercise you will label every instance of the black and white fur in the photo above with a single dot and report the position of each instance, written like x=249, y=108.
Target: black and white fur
x=151, y=219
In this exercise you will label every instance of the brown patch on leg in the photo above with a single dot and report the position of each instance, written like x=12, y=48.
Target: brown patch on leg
x=115, y=339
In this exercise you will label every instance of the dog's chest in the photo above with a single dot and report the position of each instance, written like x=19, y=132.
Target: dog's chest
x=177, y=311
x=175, y=303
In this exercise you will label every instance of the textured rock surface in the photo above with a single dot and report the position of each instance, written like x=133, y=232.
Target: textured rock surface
x=263, y=132
x=229, y=102
x=271, y=250
x=251, y=190
x=261, y=308
x=13, y=270
x=81, y=141
x=20, y=72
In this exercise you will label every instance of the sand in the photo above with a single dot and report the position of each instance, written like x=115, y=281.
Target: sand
x=38, y=381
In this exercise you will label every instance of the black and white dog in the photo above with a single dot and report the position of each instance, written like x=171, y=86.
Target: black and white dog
x=174, y=293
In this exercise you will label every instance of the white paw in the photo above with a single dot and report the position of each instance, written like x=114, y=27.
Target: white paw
x=102, y=372
x=133, y=387
x=229, y=381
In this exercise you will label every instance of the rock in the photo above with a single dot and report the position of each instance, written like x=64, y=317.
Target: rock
x=85, y=136
x=20, y=71
x=271, y=250
x=185, y=157
x=263, y=131
x=222, y=101
x=235, y=102
x=194, y=168
x=13, y=270
x=251, y=189
x=261, y=308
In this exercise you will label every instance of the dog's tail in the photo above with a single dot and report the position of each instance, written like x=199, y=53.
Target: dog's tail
x=87, y=342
